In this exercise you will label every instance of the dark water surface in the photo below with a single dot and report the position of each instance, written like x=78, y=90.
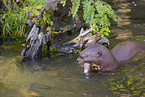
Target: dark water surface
x=62, y=77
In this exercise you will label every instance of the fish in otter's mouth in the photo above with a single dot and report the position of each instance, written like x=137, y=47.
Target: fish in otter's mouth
x=90, y=66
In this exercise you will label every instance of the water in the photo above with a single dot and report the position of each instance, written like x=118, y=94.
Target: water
x=61, y=76
x=58, y=77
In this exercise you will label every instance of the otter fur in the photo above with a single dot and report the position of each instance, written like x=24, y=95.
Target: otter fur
x=109, y=60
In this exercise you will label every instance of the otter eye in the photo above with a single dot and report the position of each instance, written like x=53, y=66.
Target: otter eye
x=99, y=53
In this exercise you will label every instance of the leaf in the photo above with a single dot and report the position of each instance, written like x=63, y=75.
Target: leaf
x=106, y=33
x=63, y=2
x=27, y=9
x=75, y=6
x=36, y=12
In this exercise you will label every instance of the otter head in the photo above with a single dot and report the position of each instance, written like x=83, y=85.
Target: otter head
x=99, y=55
x=88, y=62
x=90, y=57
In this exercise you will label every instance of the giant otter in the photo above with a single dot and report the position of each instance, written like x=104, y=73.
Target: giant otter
x=106, y=59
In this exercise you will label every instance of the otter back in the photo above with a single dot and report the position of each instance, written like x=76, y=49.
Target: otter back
x=126, y=50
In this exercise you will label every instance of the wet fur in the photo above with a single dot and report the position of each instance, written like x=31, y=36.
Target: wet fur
x=109, y=60
x=126, y=50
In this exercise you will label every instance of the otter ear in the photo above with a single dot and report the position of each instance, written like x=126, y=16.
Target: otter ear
x=99, y=53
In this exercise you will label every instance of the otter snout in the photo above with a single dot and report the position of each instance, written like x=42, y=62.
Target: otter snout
x=80, y=60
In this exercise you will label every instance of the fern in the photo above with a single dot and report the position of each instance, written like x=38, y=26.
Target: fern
x=63, y=2
x=88, y=10
x=97, y=14
x=75, y=7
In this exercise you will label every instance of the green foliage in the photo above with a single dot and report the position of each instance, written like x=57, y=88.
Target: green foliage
x=75, y=7
x=13, y=19
x=97, y=14
x=15, y=14
x=63, y=2
x=88, y=11
x=34, y=6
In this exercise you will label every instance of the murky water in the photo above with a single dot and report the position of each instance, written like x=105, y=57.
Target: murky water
x=55, y=77
x=62, y=77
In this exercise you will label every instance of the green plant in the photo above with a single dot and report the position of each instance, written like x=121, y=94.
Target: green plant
x=13, y=19
x=15, y=15
x=97, y=13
